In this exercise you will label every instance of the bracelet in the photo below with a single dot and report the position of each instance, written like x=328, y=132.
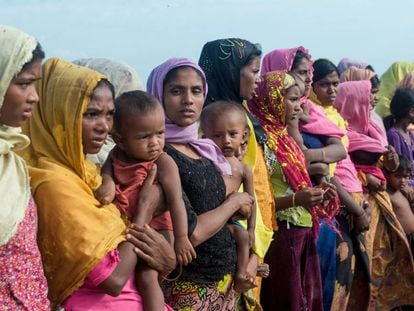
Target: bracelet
x=293, y=199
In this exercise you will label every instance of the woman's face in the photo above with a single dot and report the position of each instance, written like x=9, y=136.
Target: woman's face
x=249, y=78
x=97, y=120
x=302, y=72
x=291, y=101
x=21, y=95
x=326, y=89
x=184, y=97
x=374, y=97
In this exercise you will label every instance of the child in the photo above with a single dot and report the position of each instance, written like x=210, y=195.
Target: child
x=139, y=126
x=225, y=123
x=396, y=183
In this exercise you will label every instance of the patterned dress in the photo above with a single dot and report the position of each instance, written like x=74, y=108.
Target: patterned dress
x=23, y=285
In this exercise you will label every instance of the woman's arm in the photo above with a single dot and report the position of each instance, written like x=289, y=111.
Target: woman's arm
x=306, y=198
x=333, y=152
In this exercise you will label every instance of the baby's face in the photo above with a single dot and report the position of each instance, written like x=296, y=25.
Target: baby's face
x=398, y=180
x=143, y=135
x=227, y=131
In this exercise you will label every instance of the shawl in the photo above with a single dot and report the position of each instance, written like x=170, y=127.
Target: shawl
x=188, y=134
x=353, y=103
x=16, y=50
x=356, y=74
x=270, y=110
x=346, y=63
x=123, y=77
x=75, y=230
x=389, y=81
x=221, y=61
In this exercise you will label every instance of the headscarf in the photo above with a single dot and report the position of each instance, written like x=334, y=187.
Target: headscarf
x=123, y=77
x=269, y=108
x=346, y=63
x=188, y=134
x=221, y=61
x=16, y=50
x=356, y=74
x=353, y=103
x=389, y=81
x=75, y=230
x=407, y=82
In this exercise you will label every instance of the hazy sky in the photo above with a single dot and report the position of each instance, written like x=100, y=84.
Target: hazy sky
x=145, y=33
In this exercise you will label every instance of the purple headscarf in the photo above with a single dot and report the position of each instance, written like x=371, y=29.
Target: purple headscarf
x=346, y=63
x=187, y=134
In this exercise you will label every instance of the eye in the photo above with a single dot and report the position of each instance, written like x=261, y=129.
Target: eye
x=160, y=133
x=197, y=90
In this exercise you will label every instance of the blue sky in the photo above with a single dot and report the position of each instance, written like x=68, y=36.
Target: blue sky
x=145, y=33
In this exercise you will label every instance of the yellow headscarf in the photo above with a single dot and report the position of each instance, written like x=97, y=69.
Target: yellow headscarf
x=75, y=231
x=16, y=50
x=389, y=82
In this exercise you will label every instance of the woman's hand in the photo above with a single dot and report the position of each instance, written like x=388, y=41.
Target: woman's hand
x=243, y=203
x=329, y=190
x=309, y=197
x=152, y=247
x=361, y=222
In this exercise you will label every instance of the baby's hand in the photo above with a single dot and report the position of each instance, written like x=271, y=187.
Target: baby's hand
x=106, y=191
x=329, y=190
x=184, y=251
x=250, y=231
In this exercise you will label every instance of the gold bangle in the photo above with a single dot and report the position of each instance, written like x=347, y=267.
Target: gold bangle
x=293, y=200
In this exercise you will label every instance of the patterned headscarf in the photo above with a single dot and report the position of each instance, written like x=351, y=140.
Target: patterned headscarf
x=221, y=61
x=270, y=109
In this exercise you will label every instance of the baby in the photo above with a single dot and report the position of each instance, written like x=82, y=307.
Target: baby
x=397, y=182
x=225, y=123
x=139, y=128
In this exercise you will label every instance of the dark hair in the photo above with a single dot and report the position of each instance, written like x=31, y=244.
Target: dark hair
x=405, y=164
x=369, y=67
x=133, y=102
x=105, y=82
x=37, y=53
x=401, y=104
x=375, y=82
x=173, y=73
x=217, y=108
x=323, y=67
x=257, y=51
x=298, y=57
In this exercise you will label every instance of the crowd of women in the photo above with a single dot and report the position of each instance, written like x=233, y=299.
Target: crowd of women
x=294, y=192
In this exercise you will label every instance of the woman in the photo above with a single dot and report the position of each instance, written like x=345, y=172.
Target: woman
x=346, y=63
x=23, y=284
x=392, y=268
x=206, y=283
x=232, y=69
x=352, y=272
x=88, y=263
x=389, y=81
x=123, y=77
x=294, y=282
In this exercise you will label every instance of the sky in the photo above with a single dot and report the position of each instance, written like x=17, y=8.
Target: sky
x=144, y=33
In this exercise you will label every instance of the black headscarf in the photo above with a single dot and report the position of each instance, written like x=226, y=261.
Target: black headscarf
x=221, y=61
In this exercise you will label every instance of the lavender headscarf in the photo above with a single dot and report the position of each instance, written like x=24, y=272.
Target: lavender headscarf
x=188, y=134
x=346, y=63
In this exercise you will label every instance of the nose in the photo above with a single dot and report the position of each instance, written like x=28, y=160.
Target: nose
x=187, y=98
x=33, y=97
x=331, y=89
x=104, y=125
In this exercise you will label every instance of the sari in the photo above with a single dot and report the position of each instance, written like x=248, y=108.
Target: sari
x=390, y=259
x=75, y=231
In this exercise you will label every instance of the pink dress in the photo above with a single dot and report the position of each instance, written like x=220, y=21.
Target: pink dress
x=23, y=284
x=90, y=297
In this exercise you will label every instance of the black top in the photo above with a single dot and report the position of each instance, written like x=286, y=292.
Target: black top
x=204, y=190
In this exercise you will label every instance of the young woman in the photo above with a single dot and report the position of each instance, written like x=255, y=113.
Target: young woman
x=87, y=261
x=206, y=283
x=23, y=284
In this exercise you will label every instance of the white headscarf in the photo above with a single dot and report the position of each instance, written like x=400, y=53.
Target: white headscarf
x=16, y=50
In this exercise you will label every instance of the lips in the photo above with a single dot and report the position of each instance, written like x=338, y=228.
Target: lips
x=27, y=113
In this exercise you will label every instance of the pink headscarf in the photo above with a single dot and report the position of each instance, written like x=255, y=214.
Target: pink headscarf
x=353, y=103
x=318, y=123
